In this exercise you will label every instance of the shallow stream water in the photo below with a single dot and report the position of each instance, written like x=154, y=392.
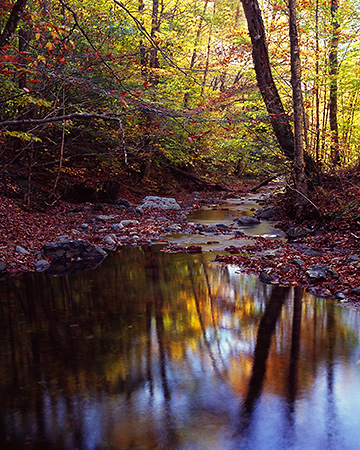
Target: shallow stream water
x=161, y=351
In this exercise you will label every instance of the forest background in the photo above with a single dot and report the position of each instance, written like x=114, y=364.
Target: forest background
x=156, y=95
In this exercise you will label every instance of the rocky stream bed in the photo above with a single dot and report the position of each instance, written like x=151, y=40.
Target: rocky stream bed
x=71, y=238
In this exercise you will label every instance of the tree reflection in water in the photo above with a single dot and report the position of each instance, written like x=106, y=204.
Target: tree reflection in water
x=160, y=351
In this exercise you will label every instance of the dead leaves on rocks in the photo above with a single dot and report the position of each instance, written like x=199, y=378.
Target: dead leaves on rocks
x=279, y=262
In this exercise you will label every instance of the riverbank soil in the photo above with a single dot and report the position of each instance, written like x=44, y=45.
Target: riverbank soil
x=321, y=254
x=84, y=211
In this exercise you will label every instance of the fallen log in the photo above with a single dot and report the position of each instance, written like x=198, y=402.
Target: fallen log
x=199, y=181
x=265, y=182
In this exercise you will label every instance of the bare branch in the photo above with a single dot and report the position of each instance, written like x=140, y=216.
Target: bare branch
x=79, y=116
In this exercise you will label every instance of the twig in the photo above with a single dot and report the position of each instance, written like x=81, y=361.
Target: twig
x=80, y=116
x=305, y=197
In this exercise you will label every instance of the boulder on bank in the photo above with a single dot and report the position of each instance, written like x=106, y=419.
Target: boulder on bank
x=69, y=257
x=320, y=273
x=248, y=220
x=65, y=251
x=105, y=192
x=267, y=213
x=165, y=203
x=293, y=234
x=3, y=270
x=41, y=265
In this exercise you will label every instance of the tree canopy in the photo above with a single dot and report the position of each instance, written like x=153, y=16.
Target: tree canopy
x=140, y=83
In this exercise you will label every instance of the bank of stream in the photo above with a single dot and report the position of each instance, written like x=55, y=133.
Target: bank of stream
x=159, y=351
x=224, y=216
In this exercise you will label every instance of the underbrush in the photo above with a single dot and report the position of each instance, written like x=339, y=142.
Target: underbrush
x=336, y=201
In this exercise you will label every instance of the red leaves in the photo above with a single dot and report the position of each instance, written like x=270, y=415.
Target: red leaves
x=9, y=58
x=7, y=73
x=197, y=136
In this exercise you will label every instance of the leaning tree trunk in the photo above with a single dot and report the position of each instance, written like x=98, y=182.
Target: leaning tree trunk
x=279, y=119
x=299, y=166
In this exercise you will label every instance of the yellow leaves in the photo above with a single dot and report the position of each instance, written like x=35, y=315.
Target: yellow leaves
x=41, y=58
x=49, y=46
x=23, y=136
x=54, y=35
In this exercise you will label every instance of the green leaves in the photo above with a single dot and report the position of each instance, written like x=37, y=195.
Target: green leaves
x=27, y=137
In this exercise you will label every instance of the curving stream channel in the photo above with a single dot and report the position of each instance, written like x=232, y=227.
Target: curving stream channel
x=162, y=351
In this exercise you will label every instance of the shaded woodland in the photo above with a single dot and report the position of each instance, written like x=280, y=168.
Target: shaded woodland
x=156, y=93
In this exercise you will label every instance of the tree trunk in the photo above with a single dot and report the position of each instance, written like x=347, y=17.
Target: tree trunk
x=155, y=24
x=317, y=92
x=206, y=70
x=333, y=71
x=299, y=165
x=12, y=23
x=194, y=53
x=142, y=48
x=279, y=119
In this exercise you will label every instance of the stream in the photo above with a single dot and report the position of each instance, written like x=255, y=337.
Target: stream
x=161, y=351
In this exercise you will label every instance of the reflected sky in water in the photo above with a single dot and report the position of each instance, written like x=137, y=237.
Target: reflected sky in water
x=171, y=351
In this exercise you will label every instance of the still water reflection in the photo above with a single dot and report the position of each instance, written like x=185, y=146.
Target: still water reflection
x=162, y=351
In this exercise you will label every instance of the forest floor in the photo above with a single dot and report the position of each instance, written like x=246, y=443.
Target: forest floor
x=331, y=243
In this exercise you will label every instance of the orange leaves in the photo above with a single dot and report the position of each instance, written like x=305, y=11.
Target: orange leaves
x=9, y=58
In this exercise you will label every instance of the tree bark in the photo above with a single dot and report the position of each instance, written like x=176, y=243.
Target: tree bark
x=317, y=90
x=12, y=23
x=333, y=71
x=279, y=119
x=299, y=165
x=207, y=61
x=155, y=24
x=194, y=53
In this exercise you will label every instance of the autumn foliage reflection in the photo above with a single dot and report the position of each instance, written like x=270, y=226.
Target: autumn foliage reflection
x=151, y=348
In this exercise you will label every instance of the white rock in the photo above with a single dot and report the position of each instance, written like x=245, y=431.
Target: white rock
x=110, y=239
x=130, y=223
x=165, y=203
